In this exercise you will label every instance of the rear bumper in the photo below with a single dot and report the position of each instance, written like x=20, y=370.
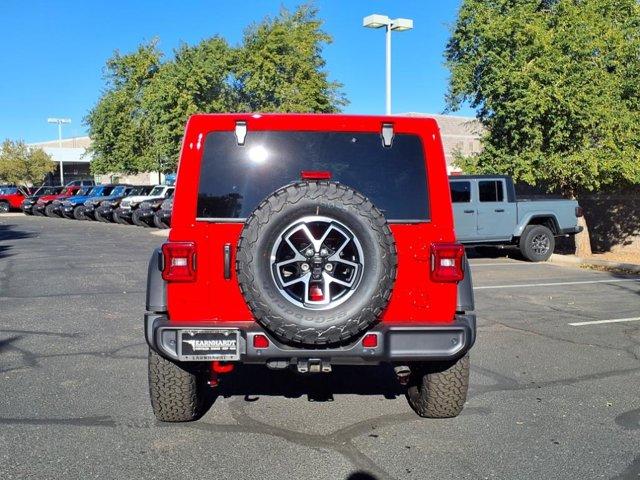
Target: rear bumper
x=396, y=343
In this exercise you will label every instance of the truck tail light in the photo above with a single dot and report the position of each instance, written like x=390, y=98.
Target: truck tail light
x=446, y=262
x=315, y=175
x=579, y=212
x=179, y=261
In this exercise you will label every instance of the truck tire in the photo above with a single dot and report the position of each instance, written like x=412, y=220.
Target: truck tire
x=159, y=223
x=100, y=218
x=138, y=221
x=48, y=211
x=537, y=243
x=36, y=212
x=177, y=394
x=439, y=390
x=283, y=273
x=78, y=213
x=118, y=219
x=4, y=207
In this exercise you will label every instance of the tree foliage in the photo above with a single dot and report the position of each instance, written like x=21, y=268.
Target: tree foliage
x=280, y=67
x=555, y=82
x=23, y=165
x=120, y=136
x=138, y=123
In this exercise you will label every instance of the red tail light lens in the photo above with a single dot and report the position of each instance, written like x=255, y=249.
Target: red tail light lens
x=260, y=341
x=370, y=340
x=446, y=262
x=179, y=261
x=315, y=175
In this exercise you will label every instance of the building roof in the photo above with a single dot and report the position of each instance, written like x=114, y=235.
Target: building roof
x=75, y=142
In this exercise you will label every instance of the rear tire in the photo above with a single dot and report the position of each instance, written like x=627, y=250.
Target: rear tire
x=439, y=390
x=159, y=223
x=36, y=212
x=537, y=243
x=177, y=394
x=4, y=207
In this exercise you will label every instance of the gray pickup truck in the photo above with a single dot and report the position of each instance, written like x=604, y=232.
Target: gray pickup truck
x=487, y=212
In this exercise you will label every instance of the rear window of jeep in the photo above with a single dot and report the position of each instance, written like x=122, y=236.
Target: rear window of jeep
x=234, y=178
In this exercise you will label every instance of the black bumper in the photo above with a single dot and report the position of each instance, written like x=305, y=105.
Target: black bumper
x=145, y=213
x=396, y=343
x=571, y=230
x=27, y=208
x=124, y=212
x=105, y=212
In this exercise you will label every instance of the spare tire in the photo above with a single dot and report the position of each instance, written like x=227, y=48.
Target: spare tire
x=316, y=263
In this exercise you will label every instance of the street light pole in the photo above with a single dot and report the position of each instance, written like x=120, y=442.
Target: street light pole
x=60, y=121
x=388, y=70
x=398, y=25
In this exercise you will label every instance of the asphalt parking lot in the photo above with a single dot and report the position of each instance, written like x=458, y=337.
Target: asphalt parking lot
x=548, y=399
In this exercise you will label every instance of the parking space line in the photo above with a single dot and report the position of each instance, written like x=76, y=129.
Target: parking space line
x=597, y=322
x=553, y=284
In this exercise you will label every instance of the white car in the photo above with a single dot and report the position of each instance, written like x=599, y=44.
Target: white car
x=124, y=212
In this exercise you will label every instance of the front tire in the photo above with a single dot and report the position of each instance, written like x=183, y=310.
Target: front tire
x=48, y=211
x=177, y=394
x=439, y=390
x=537, y=243
x=4, y=207
x=118, y=219
x=138, y=221
x=78, y=213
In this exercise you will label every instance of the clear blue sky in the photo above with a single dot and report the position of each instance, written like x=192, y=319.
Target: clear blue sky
x=52, y=52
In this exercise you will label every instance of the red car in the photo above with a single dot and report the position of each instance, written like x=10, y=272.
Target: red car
x=44, y=205
x=308, y=241
x=11, y=198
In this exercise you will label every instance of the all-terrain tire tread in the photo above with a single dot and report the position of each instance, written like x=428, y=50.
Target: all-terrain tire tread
x=290, y=195
x=176, y=394
x=441, y=393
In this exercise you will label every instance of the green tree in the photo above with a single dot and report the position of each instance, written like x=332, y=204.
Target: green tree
x=22, y=165
x=120, y=136
x=196, y=80
x=280, y=67
x=555, y=83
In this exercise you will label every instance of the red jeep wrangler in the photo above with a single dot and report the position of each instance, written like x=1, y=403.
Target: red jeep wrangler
x=308, y=241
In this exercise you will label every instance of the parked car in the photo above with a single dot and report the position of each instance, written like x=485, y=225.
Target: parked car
x=44, y=204
x=73, y=207
x=55, y=208
x=145, y=213
x=104, y=213
x=304, y=242
x=92, y=204
x=162, y=217
x=487, y=212
x=124, y=213
x=27, y=204
x=11, y=198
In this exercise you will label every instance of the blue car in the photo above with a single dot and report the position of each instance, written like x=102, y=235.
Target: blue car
x=73, y=207
x=91, y=205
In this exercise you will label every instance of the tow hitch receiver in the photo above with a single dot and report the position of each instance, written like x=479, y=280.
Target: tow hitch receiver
x=313, y=365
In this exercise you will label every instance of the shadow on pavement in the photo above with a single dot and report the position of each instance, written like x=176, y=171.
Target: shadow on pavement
x=7, y=233
x=255, y=380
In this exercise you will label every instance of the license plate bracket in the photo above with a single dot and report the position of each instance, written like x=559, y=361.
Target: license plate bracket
x=222, y=344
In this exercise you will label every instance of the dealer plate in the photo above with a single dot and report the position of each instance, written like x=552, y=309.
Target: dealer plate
x=210, y=344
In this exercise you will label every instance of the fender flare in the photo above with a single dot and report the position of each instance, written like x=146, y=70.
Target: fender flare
x=531, y=216
x=156, y=286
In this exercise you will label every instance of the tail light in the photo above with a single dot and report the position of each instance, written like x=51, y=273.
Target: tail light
x=315, y=175
x=446, y=262
x=179, y=261
x=579, y=211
